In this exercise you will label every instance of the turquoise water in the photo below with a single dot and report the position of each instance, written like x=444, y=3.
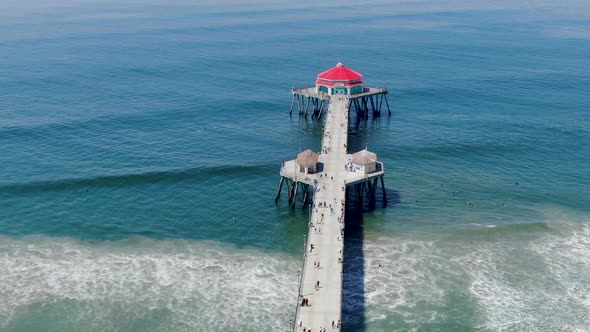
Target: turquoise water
x=140, y=146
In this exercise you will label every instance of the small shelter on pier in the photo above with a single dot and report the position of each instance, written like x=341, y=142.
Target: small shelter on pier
x=339, y=80
x=364, y=161
x=307, y=161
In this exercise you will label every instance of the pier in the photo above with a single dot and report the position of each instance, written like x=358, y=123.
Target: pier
x=326, y=177
x=310, y=100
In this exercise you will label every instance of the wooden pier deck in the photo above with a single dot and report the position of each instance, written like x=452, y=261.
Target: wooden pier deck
x=326, y=227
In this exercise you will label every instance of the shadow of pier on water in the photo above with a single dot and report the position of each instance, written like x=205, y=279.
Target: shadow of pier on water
x=353, y=290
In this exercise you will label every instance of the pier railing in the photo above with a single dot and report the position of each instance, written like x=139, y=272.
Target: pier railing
x=300, y=286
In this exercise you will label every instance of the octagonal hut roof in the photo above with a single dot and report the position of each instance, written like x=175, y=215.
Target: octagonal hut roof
x=339, y=74
x=364, y=157
x=307, y=158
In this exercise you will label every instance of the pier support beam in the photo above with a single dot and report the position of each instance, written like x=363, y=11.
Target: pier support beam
x=384, y=193
x=305, y=195
x=280, y=187
x=292, y=103
x=290, y=189
x=295, y=195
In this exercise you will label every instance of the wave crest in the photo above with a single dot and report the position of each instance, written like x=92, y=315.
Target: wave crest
x=164, y=285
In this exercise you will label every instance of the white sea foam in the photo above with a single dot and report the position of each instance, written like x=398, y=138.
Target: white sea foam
x=568, y=259
x=404, y=280
x=174, y=285
x=507, y=283
x=512, y=282
x=538, y=284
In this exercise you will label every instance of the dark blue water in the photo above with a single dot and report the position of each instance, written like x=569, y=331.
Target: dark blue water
x=140, y=146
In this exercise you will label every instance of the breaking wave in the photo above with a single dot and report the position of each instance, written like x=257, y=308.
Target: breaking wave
x=410, y=282
x=143, y=284
x=531, y=284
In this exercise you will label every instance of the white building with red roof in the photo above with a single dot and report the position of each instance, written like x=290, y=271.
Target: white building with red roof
x=339, y=80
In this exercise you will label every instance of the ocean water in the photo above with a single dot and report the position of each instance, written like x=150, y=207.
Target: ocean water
x=140, y=144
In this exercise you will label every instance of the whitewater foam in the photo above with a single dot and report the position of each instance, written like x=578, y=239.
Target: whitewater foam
x=174, y=285
x=532, y=285
x=534, y=281
x=512, y=282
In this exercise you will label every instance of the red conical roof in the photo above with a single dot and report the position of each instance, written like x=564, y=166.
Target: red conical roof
x=340, y=73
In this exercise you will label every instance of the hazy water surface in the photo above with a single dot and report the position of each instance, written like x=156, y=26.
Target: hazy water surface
x=140, y=144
